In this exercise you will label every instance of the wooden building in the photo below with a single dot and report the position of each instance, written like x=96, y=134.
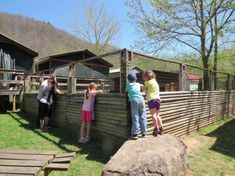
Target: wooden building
x=15, y=60
x=168, y=81
x=192, y=81
x=84, y=67
x=77, y=67
x=14, y=55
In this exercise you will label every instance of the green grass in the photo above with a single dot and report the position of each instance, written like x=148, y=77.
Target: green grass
x=16, y=132
x=211, y=151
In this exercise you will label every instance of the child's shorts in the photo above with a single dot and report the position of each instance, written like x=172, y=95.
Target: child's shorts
x=154, y=104
x=86, y=116
x=43, y=110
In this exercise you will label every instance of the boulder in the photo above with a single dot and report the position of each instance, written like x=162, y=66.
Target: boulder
x=164, y=155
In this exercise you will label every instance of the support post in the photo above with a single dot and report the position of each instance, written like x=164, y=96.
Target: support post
x=233, y=84
x=182, y=77
x=228, y=82
x=211, y=80
x=125, y=67
x=41, y=79
x=14, y=103
x=71, y=80
x=27, y=86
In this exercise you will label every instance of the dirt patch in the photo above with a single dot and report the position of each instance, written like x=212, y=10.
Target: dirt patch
x=193, y=142
x=188, y=173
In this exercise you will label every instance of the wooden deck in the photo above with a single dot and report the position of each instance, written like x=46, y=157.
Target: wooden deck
x=32, y=163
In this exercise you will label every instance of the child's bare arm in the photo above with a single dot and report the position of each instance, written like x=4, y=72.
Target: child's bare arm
x=97, y=92
x=58, y=91
x=143, y=89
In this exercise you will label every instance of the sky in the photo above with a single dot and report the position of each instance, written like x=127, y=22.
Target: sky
x=60, y=12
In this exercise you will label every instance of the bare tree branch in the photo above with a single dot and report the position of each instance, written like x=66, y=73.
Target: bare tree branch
x=97, y=27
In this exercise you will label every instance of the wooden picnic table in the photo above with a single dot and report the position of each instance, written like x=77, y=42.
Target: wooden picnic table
x=32, y=163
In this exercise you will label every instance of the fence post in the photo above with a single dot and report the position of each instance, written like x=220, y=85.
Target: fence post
x=228, y=82
x=71, y=80
x=125, y=67
x=233, y=84
x=211, y=80
x=27, y=86
x=14, y=103
x=41, y=79
x=181, y=77
x=215, y=79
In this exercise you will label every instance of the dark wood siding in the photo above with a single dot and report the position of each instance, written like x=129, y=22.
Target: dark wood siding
x=23, y=60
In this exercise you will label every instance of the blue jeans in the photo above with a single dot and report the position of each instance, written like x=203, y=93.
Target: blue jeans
x=138, y=116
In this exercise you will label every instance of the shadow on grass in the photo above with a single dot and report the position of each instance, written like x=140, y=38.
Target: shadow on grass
x=225, y=142
x=93, y=150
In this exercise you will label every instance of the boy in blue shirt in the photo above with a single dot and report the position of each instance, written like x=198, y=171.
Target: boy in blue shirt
x=138, y=112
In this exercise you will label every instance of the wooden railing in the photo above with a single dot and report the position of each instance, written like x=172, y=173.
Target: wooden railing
x=12, y=87
x=32, y=83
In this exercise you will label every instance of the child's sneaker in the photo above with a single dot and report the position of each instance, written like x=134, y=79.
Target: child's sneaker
x=44, y=129
x=155, y=132
x=134, y=137
x=82, y=140
x=143, y=135
x=160, y=130
x=48, y=127
x=87, y=139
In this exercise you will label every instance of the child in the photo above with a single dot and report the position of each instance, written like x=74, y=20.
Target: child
x=138, y=113
x=153, y=98
x=88, y=112
x=47, y=90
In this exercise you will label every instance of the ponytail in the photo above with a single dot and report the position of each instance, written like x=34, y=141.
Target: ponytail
x=87, y=93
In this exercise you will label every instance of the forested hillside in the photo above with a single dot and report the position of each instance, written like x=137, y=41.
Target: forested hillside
x=39, y=36
x=46, y=40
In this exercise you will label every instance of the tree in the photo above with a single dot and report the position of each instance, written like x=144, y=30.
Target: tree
x=97, y=27
x=186, y=22
x=223, y=22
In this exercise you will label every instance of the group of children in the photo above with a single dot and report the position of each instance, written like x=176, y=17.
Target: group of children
x=135, y=92
x=138, y=112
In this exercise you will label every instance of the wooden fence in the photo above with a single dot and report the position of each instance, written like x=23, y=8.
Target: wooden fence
x=182, y=113
x=112, y=124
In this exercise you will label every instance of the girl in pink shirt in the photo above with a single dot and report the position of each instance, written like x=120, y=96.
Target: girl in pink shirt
x=88, y=112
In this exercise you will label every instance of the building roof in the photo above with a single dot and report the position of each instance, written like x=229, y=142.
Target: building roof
x=193, y=77
x=5, y=39
x=64, y=59
x=84, y=51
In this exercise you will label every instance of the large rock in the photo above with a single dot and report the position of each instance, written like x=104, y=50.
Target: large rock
x=164, y=155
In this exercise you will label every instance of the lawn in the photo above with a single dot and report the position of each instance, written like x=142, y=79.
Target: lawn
x=19, y=133
x=211, y=151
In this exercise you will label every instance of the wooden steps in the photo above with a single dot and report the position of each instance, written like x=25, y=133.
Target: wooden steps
x=33, y=163
x=61, y=162
x=58, y=166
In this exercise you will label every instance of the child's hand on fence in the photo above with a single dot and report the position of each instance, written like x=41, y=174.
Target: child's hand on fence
x=143, y=89
x=100, y=91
